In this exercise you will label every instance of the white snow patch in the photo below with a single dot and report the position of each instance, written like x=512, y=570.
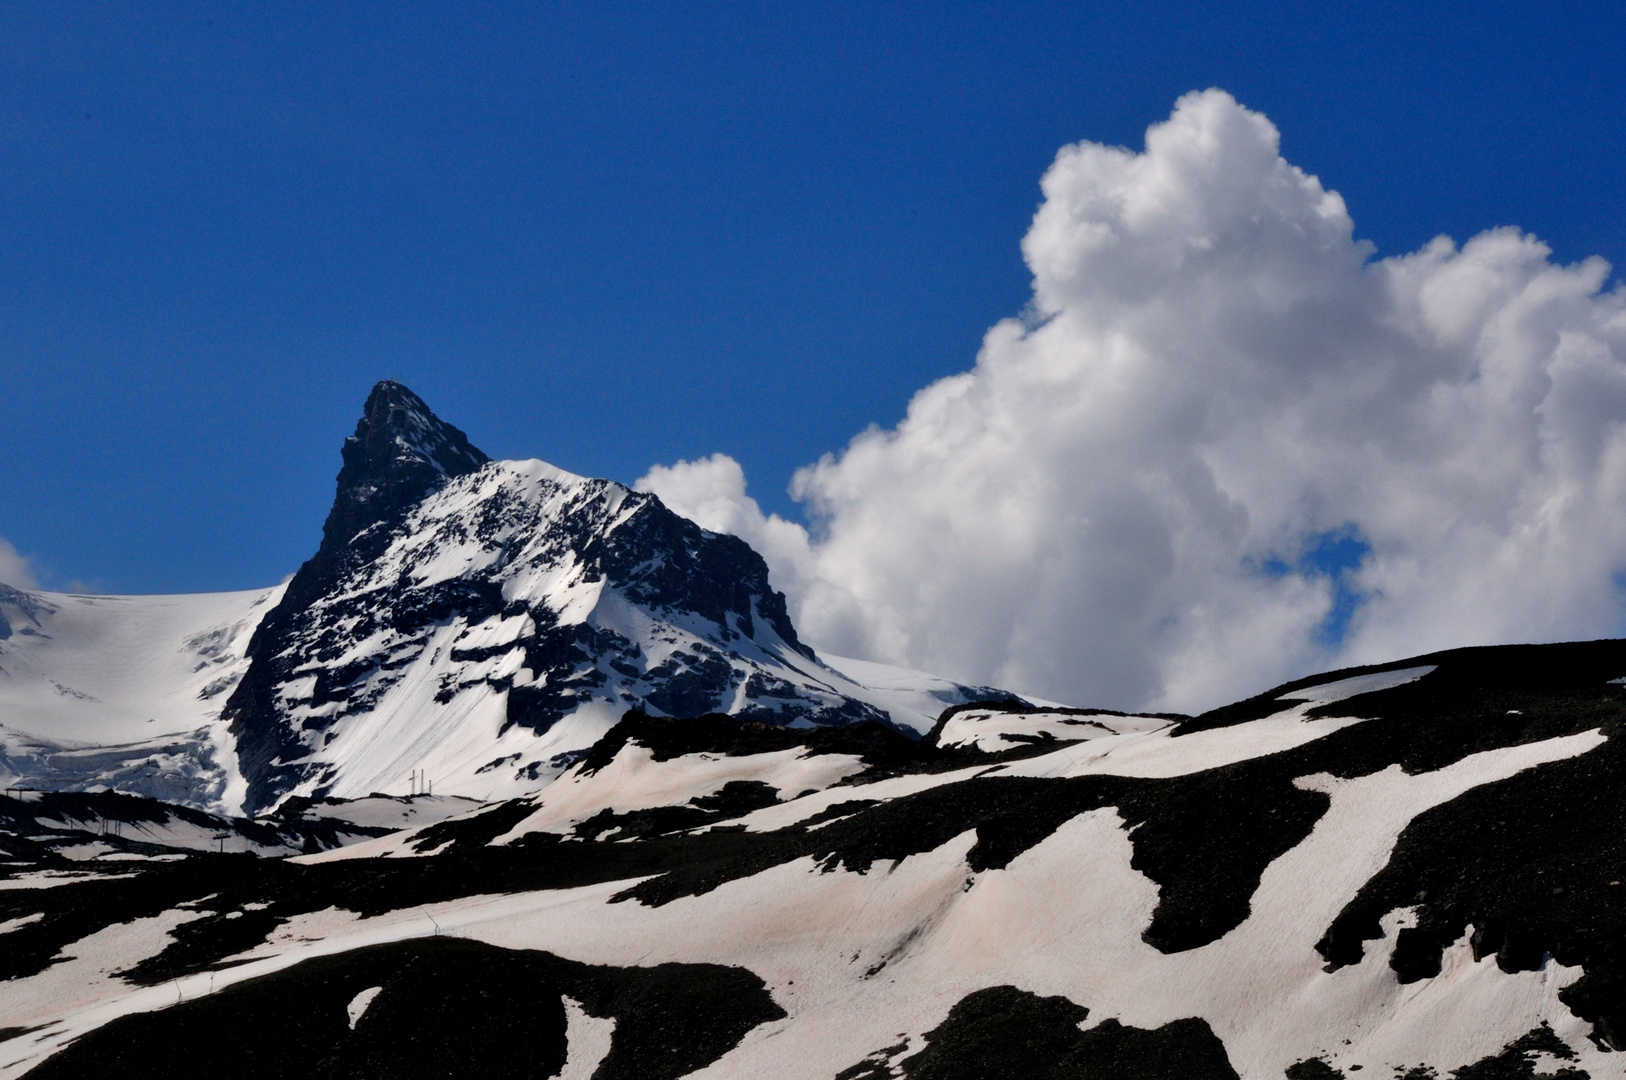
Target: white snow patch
x=358, y=1004
x=82, y=979
x=50, y=879
x=990, y=730
x=1163, y=753
x=1327, y=693
x=390, y=811
x=912, y=698
x=8, y=925
x=634, y=780
x=587, y=1042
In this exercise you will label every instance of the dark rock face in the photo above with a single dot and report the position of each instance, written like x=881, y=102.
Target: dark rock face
x=400, y=453
x=442, y=1007
x=25, y=606
x=1006, y=1032
x=699, y=627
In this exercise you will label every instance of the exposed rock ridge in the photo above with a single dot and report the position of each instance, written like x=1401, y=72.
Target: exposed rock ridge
x=25, y=606
x=400, y=453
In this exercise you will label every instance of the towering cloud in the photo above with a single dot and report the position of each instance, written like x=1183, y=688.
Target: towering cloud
x=1126, y=500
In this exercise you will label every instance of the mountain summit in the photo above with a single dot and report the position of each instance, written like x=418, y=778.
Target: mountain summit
x=483, y=622
x=401, y=452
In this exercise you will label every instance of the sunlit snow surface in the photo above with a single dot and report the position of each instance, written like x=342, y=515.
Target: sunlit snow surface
x=980, y=729
x=124, y=691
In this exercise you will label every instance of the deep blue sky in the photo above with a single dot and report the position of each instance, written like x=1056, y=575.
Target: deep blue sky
x=607, y=237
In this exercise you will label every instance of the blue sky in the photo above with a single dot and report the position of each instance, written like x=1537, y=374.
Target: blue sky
x=611, y=237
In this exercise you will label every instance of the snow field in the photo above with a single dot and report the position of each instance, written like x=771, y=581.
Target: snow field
x=587, y=1041
x=1161, y=753
x=858, y=960
x=634, y=780
x=107, y=670
x=79, y=993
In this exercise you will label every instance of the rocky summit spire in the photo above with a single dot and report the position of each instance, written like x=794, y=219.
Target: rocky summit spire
x=400, y=454
x=401, y=451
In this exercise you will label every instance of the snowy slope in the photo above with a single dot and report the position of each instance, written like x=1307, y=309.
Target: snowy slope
x=1411, y=872
x=41, y=828
x=117, y=669
x=913, y=699
x=124, y=691
x=985, y=729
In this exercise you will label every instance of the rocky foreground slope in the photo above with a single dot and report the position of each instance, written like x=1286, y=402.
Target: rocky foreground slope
x=1408, y=871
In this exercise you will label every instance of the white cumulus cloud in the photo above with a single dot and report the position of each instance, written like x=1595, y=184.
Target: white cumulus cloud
x=1114, y=505
x=14, y=570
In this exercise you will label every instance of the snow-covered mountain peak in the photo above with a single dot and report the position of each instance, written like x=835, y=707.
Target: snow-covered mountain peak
x=482, y=623
x=469, y=623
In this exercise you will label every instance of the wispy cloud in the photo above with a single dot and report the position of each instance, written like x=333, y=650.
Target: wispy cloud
x=14, y=570
x=1129, y=499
